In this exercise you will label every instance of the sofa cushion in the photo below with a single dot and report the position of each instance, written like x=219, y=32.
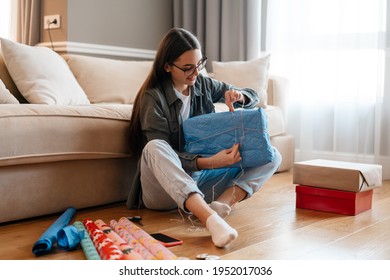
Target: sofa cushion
x=252, y=74
x=5, y=96
x=32, y=133
x=107, y=80
x=276, y=122
x=41, y=75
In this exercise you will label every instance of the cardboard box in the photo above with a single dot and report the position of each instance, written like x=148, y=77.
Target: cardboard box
x=339, y=175
x=336, y=201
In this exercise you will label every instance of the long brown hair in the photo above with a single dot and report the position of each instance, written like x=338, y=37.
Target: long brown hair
x=172, y=46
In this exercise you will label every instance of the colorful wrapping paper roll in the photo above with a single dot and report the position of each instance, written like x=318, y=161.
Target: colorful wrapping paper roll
x=49, y=237
x=150, y=243
x=105, y=246
x=130, y=239
x=125, y=247
x=86, y=243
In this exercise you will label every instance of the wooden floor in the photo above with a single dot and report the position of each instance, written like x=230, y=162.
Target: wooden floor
x=269, y=227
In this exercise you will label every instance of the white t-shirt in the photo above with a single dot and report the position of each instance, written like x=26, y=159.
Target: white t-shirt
x=185, y=109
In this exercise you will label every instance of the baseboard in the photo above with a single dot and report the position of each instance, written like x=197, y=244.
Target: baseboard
x=99, y=50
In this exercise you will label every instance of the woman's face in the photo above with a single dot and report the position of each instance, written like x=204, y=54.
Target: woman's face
x=184, y=70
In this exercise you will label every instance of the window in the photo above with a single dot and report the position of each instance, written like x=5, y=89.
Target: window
x=334, y=53
x=338, y=46
x=5, y=18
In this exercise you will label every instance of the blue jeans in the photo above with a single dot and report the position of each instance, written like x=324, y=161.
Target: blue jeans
x=165, y=184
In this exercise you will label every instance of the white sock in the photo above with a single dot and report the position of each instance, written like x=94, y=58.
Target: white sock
x=221, y=233
x=222, y=209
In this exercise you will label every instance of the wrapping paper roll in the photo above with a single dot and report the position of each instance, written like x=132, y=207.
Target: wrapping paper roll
x=125, y=247
x=68, y=238
x=86, y=243
x=130, y=239
x=150, y=243
x=104, y=245
x=49, y=237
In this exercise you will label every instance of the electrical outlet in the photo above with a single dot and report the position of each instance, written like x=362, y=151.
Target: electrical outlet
x=53, y=20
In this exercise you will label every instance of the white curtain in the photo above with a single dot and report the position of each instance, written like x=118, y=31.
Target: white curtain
x=228, y=29
x=335, y=55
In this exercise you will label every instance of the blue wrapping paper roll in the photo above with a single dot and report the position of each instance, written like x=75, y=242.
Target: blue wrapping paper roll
x=68, y=238
x=44, y=244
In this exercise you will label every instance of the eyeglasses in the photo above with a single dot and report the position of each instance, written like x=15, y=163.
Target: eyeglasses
x=188, y=71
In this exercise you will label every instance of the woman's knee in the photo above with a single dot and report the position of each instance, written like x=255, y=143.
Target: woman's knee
x=159, y=150
x=156, y=145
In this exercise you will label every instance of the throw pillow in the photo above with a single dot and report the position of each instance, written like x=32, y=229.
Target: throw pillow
x=41, y=75
x=106, y=80
x=5, y=96
x=251, y=74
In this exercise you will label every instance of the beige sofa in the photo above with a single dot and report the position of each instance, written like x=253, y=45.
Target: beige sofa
x=56, y=156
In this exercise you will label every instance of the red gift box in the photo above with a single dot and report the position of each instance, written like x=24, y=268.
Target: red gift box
x=330, y=200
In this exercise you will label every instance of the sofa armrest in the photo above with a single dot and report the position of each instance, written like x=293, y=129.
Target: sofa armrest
x=277, y=93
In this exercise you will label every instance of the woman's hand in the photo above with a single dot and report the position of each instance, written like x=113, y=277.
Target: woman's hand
x=225, y=157
x=232, y=96
x=221, y=159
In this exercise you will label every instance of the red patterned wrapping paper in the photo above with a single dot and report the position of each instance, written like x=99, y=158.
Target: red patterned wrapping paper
x=104, y=245
x=125, y=247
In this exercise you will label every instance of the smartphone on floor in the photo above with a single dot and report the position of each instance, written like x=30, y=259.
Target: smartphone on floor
x=166, y=240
